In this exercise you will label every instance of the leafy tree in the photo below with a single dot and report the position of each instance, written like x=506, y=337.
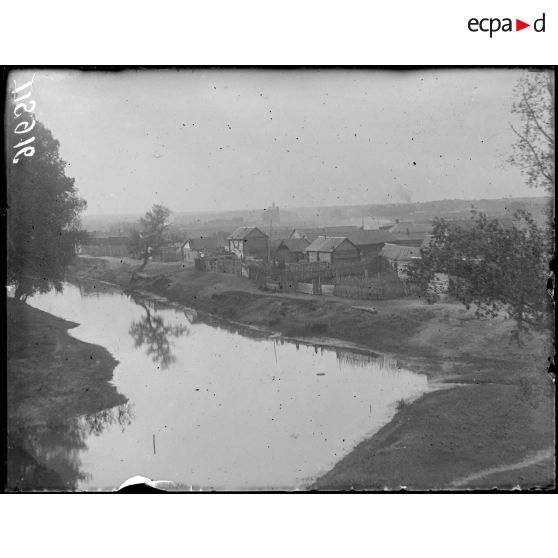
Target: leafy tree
x=495, y=269
x=149, y=239
x=43, y=226
x=534, y=148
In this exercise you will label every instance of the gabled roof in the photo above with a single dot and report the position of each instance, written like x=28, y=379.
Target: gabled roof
x=364, y=237
x=399, y=253
x=244, y=232
x=327, y=244
x=293, y=244
x=202, y=243
x=274, y=245
x=310, y=233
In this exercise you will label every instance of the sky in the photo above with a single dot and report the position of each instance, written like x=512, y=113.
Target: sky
x=212, y=140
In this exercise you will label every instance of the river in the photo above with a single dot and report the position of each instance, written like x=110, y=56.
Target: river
x=213, y=408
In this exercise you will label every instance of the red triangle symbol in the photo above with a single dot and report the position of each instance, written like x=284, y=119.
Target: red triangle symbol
x=519, y=25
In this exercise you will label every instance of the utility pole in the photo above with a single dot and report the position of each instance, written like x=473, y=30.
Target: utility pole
x=269, y=242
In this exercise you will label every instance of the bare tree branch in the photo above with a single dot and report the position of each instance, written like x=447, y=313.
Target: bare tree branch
x=535, y=119
x=543, y=170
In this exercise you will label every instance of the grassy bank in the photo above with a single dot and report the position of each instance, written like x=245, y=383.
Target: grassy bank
x=52, y=379
x=481, y=434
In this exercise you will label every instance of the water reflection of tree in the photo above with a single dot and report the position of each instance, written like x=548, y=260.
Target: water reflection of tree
x=47, y=456
x=152, y=332
x=96, y=423
x=363, y=360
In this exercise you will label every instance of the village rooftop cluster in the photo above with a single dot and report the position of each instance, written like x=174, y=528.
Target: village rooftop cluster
x=343, y=260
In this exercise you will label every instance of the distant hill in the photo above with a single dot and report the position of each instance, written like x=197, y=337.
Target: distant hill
x=333, y=215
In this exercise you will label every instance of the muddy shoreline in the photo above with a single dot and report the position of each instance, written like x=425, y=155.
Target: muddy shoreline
x=502, y=412
x=52, y=380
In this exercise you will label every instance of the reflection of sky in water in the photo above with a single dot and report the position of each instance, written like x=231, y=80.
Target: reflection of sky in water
x=227, y=411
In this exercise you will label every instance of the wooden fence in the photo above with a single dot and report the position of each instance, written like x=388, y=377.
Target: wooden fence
x=219, y=264
x=358, y=280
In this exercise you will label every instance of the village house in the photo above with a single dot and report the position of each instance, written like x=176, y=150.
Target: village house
x=410, y=233
x=311, y=234
x=249, y=243
x=399, y=257
x=370, y=242
x=194, y=248
x=332, y=250
x=291, y=250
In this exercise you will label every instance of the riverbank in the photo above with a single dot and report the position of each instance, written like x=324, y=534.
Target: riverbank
x=479, y=435
x=52, y=379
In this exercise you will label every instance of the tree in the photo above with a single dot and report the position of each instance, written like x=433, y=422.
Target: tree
x=534, y=148
x=43, y=226
x=149, y=239
x=496, y=269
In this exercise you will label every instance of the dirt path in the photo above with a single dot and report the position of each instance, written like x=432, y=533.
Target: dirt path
x=532, y=459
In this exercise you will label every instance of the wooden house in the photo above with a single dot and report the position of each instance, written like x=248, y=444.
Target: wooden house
x=194, y=248
x=410, y=233
x=370, y=242
x=290, y=250
x=312, y=233
x=332, y=250
x=248, y=243
x=399, y=257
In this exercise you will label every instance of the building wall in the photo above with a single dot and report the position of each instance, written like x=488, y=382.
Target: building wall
x=345, y=252
x=370, y=250
x=237, y=247
x=252, y=247
x=255, y=247
x=190, y=255
x=285, y=255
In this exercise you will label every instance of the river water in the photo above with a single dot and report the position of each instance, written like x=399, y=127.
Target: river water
x=213, y=408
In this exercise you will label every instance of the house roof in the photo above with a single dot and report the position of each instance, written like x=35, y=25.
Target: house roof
x=364, y=237
x=314, y=232
x=397, y=252
x=202, y=243
x=244, y=232
x=274, y=245
x=402, y=237
x=279, y=233
x=310, y=234
x=326, y=244
x=294, y=244
x=408, y=227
